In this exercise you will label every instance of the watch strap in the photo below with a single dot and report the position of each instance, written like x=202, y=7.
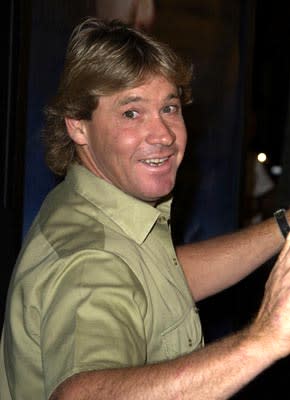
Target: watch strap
x=282, y=222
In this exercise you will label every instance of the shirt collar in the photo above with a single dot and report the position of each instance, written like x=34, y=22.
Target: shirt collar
x=134, y=217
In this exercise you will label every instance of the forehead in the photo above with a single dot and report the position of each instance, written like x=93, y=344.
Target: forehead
x=152, y=89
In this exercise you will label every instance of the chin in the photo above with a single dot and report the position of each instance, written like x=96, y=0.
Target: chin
x=155, y=197
x=153, y=192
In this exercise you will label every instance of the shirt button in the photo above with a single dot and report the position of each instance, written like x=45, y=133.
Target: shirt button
x=175, y=262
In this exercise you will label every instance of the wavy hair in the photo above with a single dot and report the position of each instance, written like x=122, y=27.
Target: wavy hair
x=104, y=57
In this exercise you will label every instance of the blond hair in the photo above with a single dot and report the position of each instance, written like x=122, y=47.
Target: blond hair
x=104, y=57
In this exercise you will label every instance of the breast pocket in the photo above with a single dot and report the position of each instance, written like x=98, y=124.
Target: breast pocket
x=184, y=336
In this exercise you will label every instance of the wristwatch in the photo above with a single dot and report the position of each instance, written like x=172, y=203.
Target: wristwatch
x=281, y=219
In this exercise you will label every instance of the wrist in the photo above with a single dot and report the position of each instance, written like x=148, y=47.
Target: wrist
x=259, y=346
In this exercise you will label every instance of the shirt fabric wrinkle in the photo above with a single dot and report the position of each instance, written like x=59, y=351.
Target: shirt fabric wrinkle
x=100, y=269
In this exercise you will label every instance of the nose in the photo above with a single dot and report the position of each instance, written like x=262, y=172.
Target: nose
x=160, y=133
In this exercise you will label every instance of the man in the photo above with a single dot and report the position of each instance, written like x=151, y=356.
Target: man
x=100, y=306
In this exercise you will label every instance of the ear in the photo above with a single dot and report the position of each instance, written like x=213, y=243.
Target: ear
x=76, y=130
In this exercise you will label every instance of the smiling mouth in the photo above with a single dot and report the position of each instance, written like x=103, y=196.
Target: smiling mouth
x=155, y=162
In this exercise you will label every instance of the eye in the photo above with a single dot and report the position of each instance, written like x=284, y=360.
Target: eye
x=130, y=114
x=170, y=109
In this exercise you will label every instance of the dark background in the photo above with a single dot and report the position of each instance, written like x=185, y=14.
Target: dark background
x=241, y=107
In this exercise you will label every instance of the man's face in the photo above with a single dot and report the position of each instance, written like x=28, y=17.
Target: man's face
x=136, y=139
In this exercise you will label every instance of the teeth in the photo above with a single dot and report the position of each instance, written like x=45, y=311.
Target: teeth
x=155, y=161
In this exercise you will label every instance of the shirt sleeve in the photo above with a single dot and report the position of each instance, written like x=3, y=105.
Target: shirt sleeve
x=93, y=318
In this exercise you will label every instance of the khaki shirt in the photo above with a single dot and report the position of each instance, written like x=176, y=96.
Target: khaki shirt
x=97, y=285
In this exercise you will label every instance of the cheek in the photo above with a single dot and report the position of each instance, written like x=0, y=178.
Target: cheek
x=181, y=138
x=104, y=144
x=125, y=142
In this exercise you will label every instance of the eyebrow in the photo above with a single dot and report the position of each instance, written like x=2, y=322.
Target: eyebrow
x=129, y=99
x=133, y=99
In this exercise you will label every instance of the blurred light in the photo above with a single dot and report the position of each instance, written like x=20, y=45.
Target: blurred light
x=261, y=157
x=276, y=170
